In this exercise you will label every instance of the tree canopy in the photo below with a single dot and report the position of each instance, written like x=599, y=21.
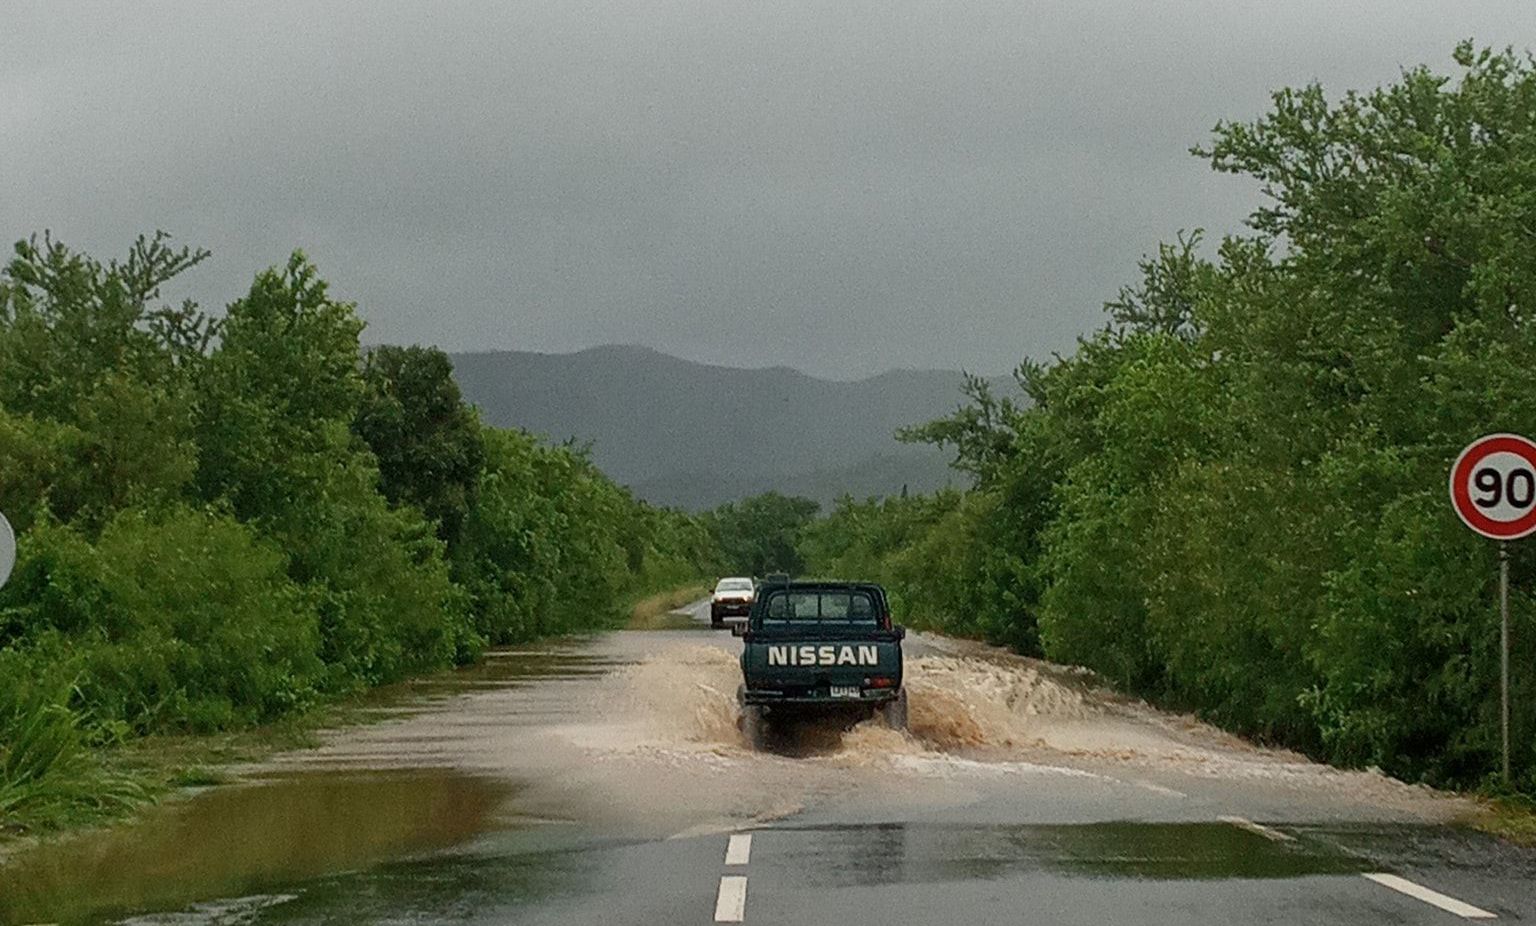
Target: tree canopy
x=1232, y=498
x=226, y=519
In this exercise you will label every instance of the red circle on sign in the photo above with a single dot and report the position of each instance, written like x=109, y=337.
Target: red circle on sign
x=1461, y=497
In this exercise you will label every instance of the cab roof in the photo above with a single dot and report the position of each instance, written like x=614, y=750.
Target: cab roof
x=823, y=585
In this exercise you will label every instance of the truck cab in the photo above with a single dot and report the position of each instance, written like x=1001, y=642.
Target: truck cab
x=820, y=648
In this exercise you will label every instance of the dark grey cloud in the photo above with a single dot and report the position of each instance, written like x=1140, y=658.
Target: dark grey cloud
x=842, y=187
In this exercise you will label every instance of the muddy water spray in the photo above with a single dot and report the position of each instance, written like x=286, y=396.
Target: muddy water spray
x=688, y=696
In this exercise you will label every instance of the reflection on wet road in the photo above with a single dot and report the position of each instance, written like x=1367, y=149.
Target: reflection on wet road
x=601, y=781
x=889, y=853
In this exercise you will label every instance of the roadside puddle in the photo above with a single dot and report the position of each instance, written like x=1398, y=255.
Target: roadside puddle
x=241, y=840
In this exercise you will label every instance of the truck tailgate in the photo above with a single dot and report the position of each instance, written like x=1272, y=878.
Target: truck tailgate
x=801, y=668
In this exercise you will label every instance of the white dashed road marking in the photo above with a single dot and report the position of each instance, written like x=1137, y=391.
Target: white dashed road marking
x=1268, y=833
x=739, y=851
x=731, y=903
x=1433, y=898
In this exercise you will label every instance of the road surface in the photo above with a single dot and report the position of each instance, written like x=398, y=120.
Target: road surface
x=604, y=781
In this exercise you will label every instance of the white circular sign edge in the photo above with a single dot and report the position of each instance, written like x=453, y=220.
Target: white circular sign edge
x=7, y=549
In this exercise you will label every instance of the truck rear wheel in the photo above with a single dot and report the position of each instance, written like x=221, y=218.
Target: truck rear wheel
x=893, y=713
x=754, y=726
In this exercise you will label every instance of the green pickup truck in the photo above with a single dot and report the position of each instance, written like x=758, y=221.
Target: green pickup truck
x=820, y=648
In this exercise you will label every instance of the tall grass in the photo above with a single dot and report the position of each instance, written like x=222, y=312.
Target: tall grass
x=652, y=611
x=48, y=774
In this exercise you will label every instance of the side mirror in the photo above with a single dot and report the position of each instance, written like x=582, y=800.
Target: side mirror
x=900, y=631
x=738, y=628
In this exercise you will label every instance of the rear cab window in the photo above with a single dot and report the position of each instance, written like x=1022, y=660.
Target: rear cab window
x=792, y=608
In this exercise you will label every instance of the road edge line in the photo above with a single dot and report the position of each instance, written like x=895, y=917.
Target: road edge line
x=1428, y=895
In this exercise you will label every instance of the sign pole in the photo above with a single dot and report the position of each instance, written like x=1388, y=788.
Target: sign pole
x=1504, y=652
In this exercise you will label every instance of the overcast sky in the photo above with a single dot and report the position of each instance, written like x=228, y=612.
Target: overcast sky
x=842, y=186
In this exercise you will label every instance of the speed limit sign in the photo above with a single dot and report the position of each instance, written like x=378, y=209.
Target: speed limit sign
x=1493, y=486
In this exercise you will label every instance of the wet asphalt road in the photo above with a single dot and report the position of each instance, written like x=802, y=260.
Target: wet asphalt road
x=465, y=807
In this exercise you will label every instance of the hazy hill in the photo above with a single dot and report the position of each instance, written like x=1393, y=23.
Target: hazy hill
x=693, y=435
x=918, y=469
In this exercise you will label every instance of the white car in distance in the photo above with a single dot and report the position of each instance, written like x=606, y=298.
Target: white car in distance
x=733, y=598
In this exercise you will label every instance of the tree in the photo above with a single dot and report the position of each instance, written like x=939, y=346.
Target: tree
x=276, y=402
x=426, y=439
x=94, y=389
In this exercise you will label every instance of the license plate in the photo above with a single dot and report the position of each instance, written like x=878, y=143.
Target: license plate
x=845, y=691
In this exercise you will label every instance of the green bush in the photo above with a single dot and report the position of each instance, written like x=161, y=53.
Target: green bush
x=178, y=620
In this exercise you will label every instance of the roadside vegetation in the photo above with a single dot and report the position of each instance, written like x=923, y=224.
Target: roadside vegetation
x=226, y=520
x=1232, y=499
x=654, y=612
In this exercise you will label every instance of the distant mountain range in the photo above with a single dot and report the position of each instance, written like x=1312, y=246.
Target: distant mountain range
x=693, y=435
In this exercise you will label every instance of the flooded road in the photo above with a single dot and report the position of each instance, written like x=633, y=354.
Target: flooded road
x=606, y=780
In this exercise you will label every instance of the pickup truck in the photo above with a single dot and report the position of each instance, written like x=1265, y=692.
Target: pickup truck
x=820, y=648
